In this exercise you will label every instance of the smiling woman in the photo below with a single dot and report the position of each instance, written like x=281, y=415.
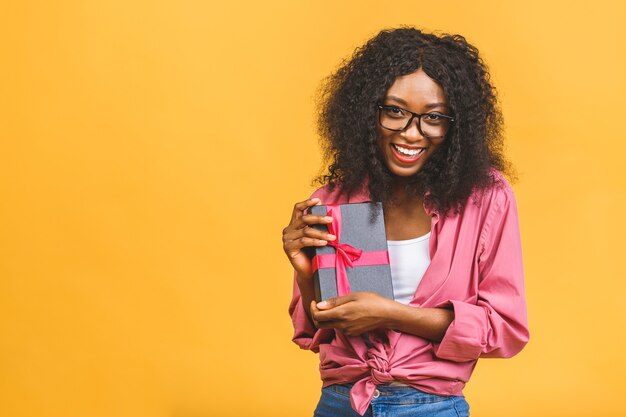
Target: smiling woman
x=412, y=121
x=407, y=146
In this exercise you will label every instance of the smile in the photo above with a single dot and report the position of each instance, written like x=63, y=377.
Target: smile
x=406, y=154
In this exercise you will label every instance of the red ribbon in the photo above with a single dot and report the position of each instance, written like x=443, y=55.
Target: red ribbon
x=346, y=255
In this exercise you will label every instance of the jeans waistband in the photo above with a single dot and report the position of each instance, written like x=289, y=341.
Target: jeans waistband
x=385, y=390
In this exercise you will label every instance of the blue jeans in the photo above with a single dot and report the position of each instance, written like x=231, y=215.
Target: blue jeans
x=391, y=401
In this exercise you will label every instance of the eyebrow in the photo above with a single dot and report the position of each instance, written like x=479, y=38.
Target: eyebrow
x=428, y=106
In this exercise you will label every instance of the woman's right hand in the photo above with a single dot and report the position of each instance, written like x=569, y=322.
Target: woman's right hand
x=298, y=235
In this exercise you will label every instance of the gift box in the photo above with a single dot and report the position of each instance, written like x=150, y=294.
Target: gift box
x=358, y=259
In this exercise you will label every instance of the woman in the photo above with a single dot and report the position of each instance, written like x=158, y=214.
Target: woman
x=412, y=120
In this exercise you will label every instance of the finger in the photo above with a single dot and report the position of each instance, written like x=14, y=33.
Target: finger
x=294, y=246
x=309, y=232
x=335, y=301
x=316, y=219
x=316, y=314
x=330, y=325
x=298, y=209
x=314, y=310
x=327, y=315
x=305, y=220
x=317, y=234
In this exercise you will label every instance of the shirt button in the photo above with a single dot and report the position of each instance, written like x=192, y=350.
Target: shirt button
x=376, y=394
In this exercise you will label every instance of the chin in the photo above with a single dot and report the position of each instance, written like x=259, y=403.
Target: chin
x=405, y=171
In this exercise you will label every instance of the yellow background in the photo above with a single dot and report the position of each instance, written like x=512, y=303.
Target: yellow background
x=150, y=156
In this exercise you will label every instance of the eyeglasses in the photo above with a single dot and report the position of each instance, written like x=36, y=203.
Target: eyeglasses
x=430, y=125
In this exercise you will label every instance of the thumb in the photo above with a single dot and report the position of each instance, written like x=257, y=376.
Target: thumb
x=333, y=302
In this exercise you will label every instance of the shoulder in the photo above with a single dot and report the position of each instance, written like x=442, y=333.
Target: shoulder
x=498, y=194
x=498, y=214
x=496, y=197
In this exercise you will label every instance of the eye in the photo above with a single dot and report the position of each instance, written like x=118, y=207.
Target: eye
x=394, y=112
x=434, y=119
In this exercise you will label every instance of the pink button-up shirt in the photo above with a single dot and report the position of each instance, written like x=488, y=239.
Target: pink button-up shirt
x=475, y=269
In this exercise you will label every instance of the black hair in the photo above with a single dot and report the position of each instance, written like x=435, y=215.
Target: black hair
x=347, y=117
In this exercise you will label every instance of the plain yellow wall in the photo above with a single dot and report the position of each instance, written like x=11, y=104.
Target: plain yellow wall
x=150, y=156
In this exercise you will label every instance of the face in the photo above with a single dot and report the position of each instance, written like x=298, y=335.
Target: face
x=406, y=152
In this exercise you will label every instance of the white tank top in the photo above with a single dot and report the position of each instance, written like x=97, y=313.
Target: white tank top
x=408, y=261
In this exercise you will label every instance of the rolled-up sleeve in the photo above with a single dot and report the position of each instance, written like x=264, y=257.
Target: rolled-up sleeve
x=496, y=325
x=305, y=334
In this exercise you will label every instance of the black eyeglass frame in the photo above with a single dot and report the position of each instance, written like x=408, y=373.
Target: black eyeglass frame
x=413, y=116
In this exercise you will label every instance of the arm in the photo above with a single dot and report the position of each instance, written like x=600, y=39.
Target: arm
x=305, y=334
x=307, y=291
x=496, y=326
x=296, y=236
x=360, y=312
x=429, y=323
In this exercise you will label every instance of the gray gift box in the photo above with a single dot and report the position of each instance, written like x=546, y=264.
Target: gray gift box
x=363, y=227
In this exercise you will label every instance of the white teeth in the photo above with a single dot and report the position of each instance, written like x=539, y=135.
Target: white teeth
x=408, y=152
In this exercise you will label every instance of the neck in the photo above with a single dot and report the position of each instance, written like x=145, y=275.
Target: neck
x=400, y=196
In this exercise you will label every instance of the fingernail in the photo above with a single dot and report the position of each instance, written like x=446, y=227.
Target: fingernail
x=322, y=304
x=328, y=219
x=331, y=237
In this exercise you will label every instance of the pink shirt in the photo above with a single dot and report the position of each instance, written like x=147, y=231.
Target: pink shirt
x=476, y=269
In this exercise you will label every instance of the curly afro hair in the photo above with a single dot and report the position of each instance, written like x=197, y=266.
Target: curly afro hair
x=347, y=118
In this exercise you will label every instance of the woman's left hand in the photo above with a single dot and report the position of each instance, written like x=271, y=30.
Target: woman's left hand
x=354, y=313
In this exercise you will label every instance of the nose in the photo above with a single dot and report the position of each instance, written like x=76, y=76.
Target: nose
x=412, y=132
